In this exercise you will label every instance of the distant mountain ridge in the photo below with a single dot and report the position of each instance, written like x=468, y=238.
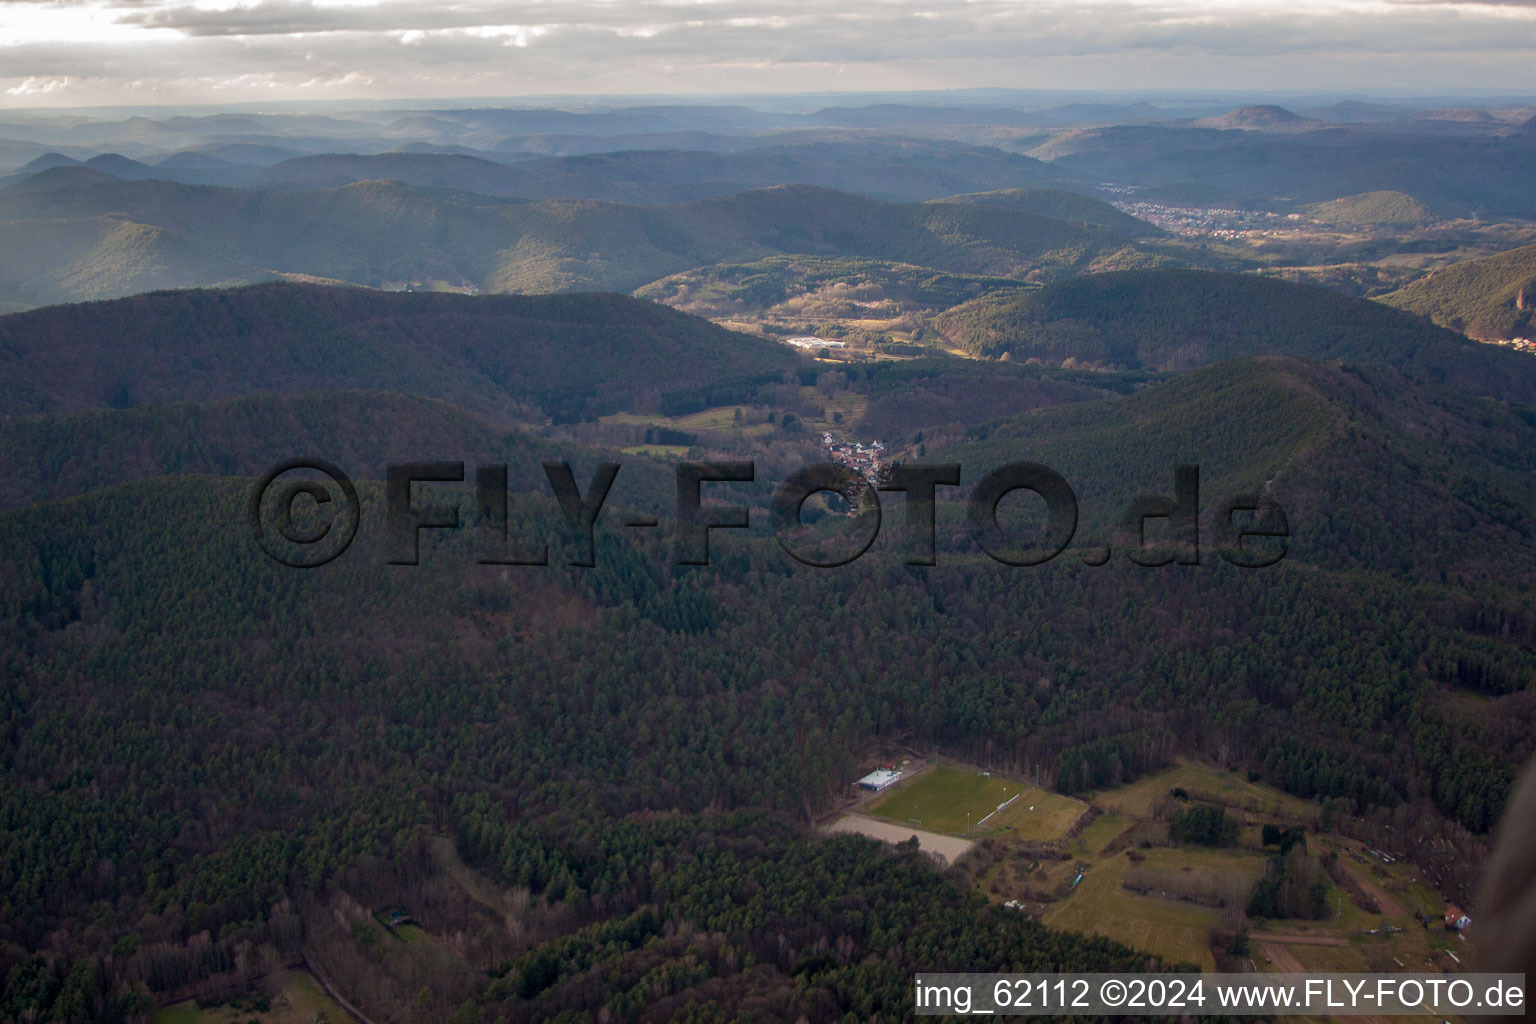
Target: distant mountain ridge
x=1453, y=167
x=1259, y=117
x=383, y=234
x=891, y=169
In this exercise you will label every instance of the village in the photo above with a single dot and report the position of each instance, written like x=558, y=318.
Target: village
x=856, y=455
x=1518, y=344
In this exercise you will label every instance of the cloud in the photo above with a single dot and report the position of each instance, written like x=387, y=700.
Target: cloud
x=325, y=48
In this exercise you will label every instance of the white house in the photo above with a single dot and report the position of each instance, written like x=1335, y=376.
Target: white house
x=878, y=780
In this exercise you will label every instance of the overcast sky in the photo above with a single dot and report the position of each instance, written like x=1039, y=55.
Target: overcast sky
x=86, y=52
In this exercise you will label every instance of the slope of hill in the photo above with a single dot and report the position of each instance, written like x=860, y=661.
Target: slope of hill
x=381, y=233
x=46, y=162
x=908, y=400
x=565, y=356
x=1493, y=297
x=1372, y=468
x=47, y=458
x=1263, y=117
x=1373, y=209
x=104, y=257
x=120, y=166
x=1175, y=319
x=901, y=169
x=833, y=286
x=457, y=172
x=1062, y=205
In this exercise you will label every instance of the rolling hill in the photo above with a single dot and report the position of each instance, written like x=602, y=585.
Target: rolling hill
x=901, y=169
x=48, y=458
x=1177, y=319
x=381, y=233
x=817, y=286
x=1374, y=470
x=105, y=257
x=1493, y=297
x=508, y=357
x=1264, y=117
x=1062, y=205
x=1461, y=172
x=1373, y=209
x=908, y=399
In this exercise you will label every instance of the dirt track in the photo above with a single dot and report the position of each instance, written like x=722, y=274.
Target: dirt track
x=1282, y=959
x=1385, y=900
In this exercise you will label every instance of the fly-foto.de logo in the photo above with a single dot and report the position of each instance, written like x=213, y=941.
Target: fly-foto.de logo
x=306, y=512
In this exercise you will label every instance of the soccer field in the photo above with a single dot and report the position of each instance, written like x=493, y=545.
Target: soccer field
x=951, y=800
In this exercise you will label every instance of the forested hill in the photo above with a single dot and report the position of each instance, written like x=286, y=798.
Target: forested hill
x=1493, y=297
x=1375, y=470
x=51, y=457
x=902, y=169
x=505, y=356
x=382, y=232
x=1176, y=319
x=630, y=753
x=1062, y=205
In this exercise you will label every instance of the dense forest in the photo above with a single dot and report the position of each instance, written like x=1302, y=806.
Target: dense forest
x=564, y=356
x=595, y=786
x=202, y=741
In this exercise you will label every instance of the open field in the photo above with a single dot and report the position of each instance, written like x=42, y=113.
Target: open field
x=1100, y=833
x=720, y=418
x=1210, y=784
x=292, y=997
x=657, y=451
x=1159, y=922
x=851, y=404
x=1038, y=815
x=1154, y=917
x=954, y=800
x=1221, y=863
x=409, y=933
x=1340, y=959
x=1100, y=906
x=948, y=847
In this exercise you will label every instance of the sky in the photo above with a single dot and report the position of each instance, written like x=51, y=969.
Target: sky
x=119, y=52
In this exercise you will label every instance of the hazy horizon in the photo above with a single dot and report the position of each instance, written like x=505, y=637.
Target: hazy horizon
x=169, y=52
